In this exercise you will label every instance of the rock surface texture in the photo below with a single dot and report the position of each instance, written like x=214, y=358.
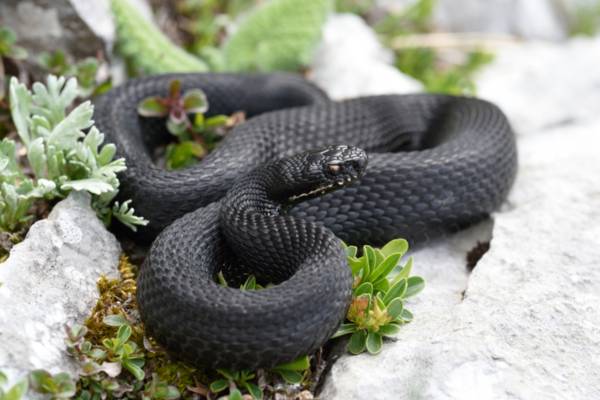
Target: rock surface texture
x=48, y=281
x=351, y=61
x=78, y=27
x=526, y=323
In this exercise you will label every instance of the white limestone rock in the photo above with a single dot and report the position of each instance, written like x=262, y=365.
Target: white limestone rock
x=528, y=326
x=541, y=85
x=350, y=62
x=49, y=280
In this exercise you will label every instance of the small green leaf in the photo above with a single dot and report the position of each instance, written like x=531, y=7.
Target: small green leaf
x=250, y=283
x=405, y=271
x=227, y=374
x=374, y=342
x=351, y=251
x=17, y=392
x=396, y=291
x=385, y=267
x=382, y=285
x=38, y=378
x=135, y=369
x=364, y=288
x=356, y=264
x=219, y=385
x=369, y=253
x=177, y=126
x=171, y=393
x=344, y=329
x=389, y=330
x=406, y=315
x=254, y=390
x=291, y=377
x=124, y=333
x=379, y=257
x=415, y=285
x=235, y=395
x=184, y=154
x=394, y=309
x=174, y=89
x=194, y=101
x=358, y=342
x=115, y=320
x=399, y=246
x=299, y=364
x=152, y=107
x=216, y=121
x=92, y=185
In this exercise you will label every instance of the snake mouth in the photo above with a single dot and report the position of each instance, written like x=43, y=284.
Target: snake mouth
x=323, y=189
x=313, y=193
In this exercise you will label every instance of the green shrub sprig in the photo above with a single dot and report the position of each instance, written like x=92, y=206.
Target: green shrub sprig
x=379, y=290
x=197, y=135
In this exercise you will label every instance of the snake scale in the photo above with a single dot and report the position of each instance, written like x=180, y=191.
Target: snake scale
x=280, y=191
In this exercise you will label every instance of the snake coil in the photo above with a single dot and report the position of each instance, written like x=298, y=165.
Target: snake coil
x=436, y=164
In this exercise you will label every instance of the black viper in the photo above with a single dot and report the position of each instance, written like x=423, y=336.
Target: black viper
x=436, y=164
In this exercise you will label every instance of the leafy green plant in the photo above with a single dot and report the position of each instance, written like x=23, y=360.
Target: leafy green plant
x=125, y=352
x=60, y=155
x=279, y=35
x=146, y=47
x=159, y=390
x=233, y=380
x=294, y=371
x=16, y=392
x=379, y=290
x=102, y=365
x=58, y=386
x=421, y=63
x=196, y=136
x=86, y=71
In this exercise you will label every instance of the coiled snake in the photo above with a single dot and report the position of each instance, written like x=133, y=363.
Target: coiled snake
x=263, y=202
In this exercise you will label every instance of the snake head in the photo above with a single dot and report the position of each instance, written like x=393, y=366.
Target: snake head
x=322, y=171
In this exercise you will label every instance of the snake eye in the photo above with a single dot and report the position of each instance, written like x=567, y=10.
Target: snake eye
x=334, y=168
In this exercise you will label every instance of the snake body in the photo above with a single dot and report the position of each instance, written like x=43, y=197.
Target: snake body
x=436, y=164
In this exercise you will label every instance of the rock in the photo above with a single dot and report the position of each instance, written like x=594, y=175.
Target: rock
x=79, y=27
x=48, y=281
x=528, y=325
x=351, y=61
x=542, y=85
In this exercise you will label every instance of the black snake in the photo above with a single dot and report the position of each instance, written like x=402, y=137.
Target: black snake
x=435, y=164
